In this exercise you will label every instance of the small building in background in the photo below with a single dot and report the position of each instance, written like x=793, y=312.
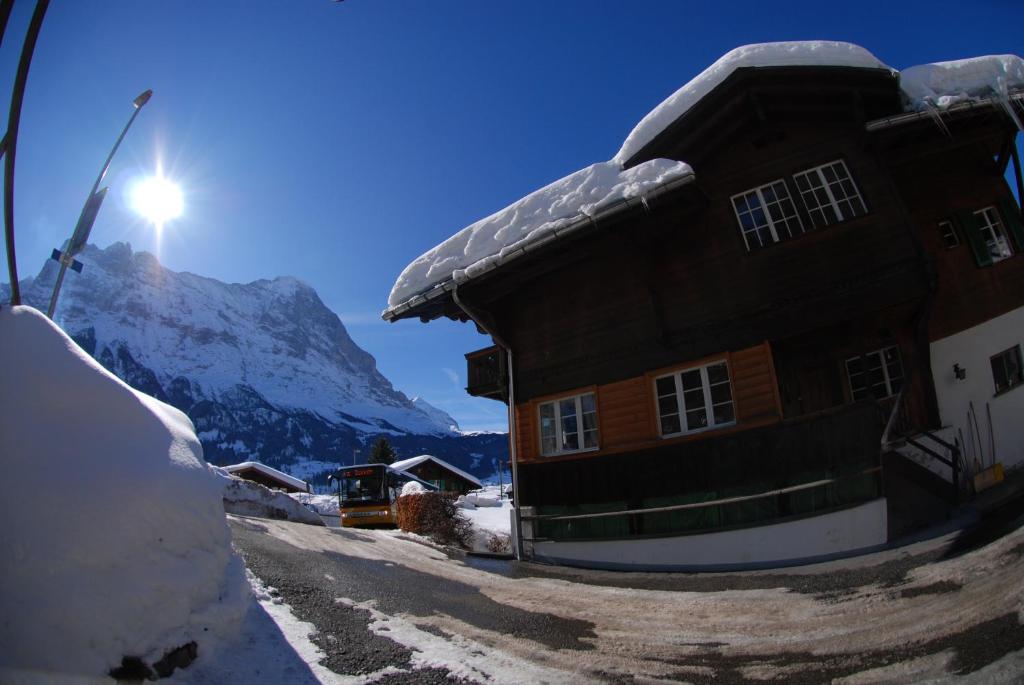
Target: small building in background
x=446, y=477
x=269, y=477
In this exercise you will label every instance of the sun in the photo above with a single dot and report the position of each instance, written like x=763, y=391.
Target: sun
x=158, y=199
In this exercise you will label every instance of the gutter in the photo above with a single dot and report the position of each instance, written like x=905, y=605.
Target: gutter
x=911, y=117
x=579, y=223
x=512, y=434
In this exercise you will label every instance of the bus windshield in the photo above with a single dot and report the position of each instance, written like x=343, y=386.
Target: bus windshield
x=363, y=484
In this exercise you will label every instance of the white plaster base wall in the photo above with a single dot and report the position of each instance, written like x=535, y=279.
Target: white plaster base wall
x=973, y=349
x=863, y=527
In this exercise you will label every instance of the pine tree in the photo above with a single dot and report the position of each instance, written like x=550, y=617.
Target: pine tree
x=382, y=452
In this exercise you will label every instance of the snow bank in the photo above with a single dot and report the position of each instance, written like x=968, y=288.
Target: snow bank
x=491, y=519
x=479, y=246
x=797, y=53
x=114, y=539
x=325, y=505
x=247, y=498
x=946, y=83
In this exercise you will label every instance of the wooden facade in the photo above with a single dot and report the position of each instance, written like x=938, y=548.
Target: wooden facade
x=672, y=285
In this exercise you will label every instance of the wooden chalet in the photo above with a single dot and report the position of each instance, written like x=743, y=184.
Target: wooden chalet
x=763, y=364
x=267, y=476
x=446, y=477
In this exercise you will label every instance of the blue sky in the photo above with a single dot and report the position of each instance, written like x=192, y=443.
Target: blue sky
x=336, y=142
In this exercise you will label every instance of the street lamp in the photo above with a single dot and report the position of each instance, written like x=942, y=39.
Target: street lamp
x=89, y=212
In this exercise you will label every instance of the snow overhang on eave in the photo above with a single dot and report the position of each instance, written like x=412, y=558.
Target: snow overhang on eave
x=742, y=79
x=957, y=109
x=429, y=304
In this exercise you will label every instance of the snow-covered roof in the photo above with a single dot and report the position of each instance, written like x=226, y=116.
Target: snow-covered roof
x=567, y=204
x=268, y=471
x=416, y=461
x=541, y=216
x=798, y=53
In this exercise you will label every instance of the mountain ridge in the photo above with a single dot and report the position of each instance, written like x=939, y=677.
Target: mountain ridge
x=264, y=369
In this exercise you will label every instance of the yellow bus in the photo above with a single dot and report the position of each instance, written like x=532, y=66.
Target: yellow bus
x=367, y=494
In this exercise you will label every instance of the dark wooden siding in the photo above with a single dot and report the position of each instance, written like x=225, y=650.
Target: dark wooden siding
x=679, y=284
x=945, y=177
x=831, y=444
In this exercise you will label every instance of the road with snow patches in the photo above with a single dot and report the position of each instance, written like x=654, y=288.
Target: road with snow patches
x=387, y=608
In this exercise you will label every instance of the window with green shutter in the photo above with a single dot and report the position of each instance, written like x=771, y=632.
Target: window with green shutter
x=1011, y=214
x=986, y=233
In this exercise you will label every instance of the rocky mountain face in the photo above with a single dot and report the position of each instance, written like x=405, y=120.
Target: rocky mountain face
x=265, y=370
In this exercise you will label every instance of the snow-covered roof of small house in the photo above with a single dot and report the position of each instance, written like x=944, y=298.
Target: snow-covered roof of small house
x=269, y=472
x=575, y=201
x=416, y=461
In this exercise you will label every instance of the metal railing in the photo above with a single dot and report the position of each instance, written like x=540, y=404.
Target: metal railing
x=724, y=513
x=900, y=431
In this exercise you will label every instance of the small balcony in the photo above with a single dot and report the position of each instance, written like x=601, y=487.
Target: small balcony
x=487, y=374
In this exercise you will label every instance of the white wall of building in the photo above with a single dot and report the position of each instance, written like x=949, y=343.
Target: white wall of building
x=860, y=528
x=973, y=349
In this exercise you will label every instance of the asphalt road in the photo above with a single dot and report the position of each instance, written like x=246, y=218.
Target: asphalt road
x=394, y=610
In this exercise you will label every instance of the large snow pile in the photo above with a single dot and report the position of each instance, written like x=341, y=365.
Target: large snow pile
x=795, y=53
x=480, y=246
x=247, y=498
x=114, y=539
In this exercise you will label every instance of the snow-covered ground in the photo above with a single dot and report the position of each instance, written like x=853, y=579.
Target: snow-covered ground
x=246, y=498
x=491, y=519
x=114, y=538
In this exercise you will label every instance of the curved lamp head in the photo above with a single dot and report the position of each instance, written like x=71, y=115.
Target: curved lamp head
x=142, y=99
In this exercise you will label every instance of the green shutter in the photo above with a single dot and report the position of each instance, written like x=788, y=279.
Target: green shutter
x=1011, y=216
x=969, y=227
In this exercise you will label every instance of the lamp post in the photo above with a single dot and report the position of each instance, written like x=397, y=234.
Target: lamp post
x=89, y=212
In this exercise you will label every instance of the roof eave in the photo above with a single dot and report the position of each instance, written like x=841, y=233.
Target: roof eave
x=428, y=305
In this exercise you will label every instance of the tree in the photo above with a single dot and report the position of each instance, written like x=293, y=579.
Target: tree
x=382, y=452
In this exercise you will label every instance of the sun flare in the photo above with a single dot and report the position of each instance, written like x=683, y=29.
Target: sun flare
x=158, y=199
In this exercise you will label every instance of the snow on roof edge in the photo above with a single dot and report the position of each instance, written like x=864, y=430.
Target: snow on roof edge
x=549, y=213
x=415, y=461
x=267, y=470
x=791, y=53
x=529, y=222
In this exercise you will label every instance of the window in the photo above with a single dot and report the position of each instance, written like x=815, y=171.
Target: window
x=829, y=194
x=694, y=399
x=877, y=374
x=568, y=425
x=992, y=234
x=1007, y=370
x=948, y=232
x=767, y=215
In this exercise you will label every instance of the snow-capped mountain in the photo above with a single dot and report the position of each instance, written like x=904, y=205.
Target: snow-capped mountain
x=265, y=370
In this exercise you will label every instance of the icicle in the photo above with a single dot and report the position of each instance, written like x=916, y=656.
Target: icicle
x=936, y=114
x=1007, y=104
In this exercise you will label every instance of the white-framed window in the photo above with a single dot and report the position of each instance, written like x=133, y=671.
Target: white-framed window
x=1007, y=369
x=569, y=425
x=767, y=215
x=993, y=234
x=694, y=399
x=829, y=194
x=949, y=236
x=877, y=374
